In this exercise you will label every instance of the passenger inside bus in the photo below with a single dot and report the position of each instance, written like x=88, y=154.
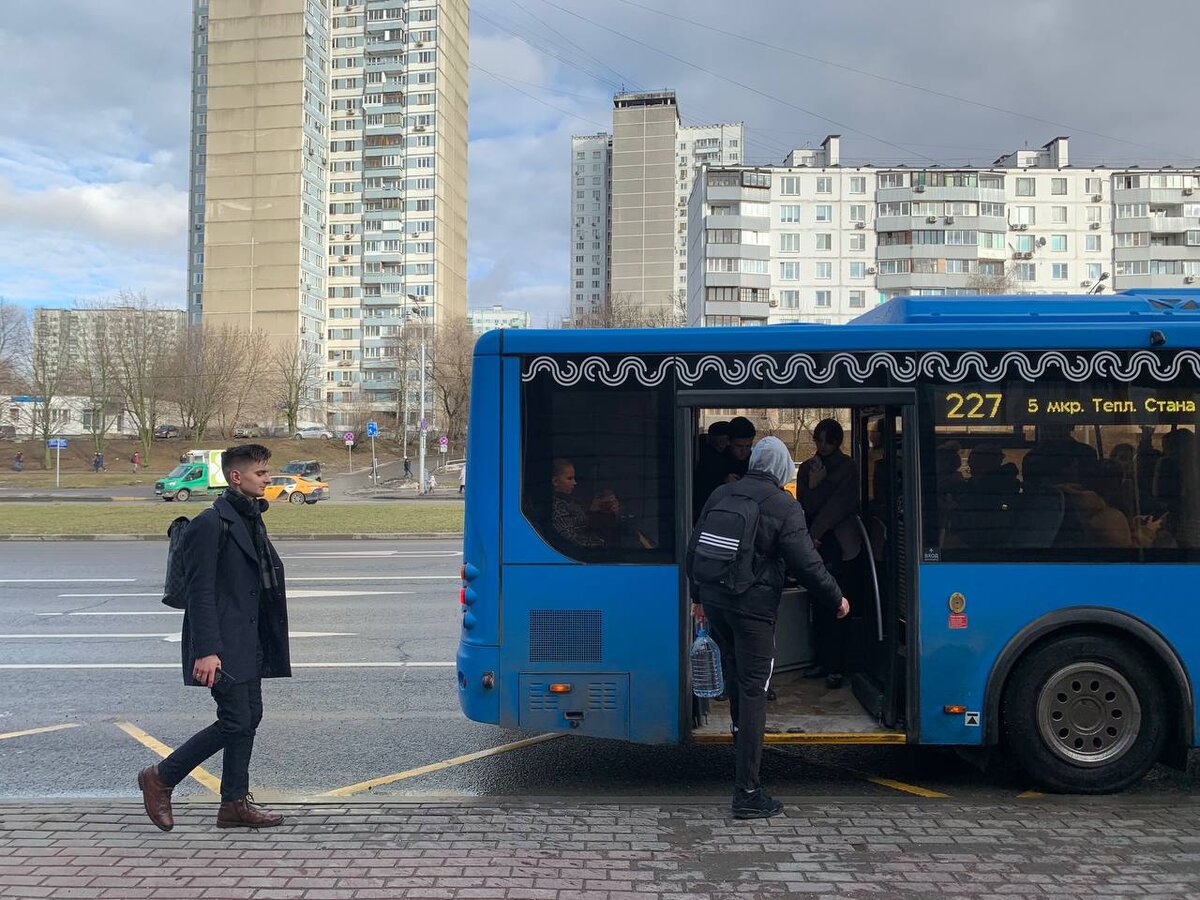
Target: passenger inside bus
x=599, y=526
x=722, y=458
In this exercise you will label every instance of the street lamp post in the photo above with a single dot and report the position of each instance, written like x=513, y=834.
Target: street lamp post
x=421, y=424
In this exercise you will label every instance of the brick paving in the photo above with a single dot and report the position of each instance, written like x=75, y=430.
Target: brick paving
x=609, y=850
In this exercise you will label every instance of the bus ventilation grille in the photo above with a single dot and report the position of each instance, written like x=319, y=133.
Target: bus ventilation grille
x=564, y=635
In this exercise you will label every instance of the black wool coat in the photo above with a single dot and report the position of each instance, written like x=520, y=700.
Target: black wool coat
x=223, y=594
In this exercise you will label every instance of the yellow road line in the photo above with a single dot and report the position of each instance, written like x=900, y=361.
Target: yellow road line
x=46, y=730
x=437, y=767
x=1030, y=795
x=813, y=737
x=203, y=776
x=906, y=788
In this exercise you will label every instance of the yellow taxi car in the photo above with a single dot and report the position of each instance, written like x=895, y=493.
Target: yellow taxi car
x=295, y=489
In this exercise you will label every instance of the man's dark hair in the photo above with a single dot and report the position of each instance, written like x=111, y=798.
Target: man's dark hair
x=236, y=457
x=831, y=430
x=740, y=428
x=718, y=429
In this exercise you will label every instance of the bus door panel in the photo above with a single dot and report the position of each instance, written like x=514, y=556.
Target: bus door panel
x=880, y=683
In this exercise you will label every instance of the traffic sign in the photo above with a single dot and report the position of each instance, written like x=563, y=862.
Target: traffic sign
x=424, y=426
x=372, y=429
x=57, y=443
x=348, y=437
x=443, y=441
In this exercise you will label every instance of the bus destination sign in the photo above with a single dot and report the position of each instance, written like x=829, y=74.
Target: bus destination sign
x=990, y=404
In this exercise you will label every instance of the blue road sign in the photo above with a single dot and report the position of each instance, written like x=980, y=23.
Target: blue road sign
x=57, y=443
x=372, y=429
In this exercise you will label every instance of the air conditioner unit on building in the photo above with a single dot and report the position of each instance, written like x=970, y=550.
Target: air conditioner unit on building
x=1022, y=227
x=1018, y=255
x=418, y=128
x=860, y=224
x=949, y=220
x=1187, y=192
x=1085, y=283
x=772, y=303
x=870, y=270
x=1027, y=255
x=1095, y=226
x=345, y=362
x=1189, y=279
x=1096, y=198
x=1013, y=226
x=931, y=219
x=918, y=188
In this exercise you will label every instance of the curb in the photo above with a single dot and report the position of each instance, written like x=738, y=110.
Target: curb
x=277, y=538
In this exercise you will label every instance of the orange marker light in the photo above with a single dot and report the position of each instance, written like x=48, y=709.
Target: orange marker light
x=560, y=689
x=954, y=710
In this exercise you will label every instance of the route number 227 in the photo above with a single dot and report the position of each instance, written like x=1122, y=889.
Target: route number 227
x=973, y=405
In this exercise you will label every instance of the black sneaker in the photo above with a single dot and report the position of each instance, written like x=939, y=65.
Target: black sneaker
x=755, y=805
x=833, y=680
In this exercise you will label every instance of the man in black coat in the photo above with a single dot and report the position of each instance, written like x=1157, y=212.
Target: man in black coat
x=235, y=633
x=743, y=624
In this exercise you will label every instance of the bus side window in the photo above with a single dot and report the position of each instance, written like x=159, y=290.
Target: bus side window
x=598, y=481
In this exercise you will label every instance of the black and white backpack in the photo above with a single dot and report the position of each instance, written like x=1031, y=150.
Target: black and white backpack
x=721, y=551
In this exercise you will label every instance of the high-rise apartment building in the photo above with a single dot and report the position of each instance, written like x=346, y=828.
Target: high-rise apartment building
x=812, y=240
x=333, y=168
x=66, y=339
x=629, y=204
x=483, y=320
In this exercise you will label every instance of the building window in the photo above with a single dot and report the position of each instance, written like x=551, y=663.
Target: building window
x=789, y=299
x=789, y=185
x=1058, y=243
x=1091, y=243
x=824, y=271
x=858, y=184
x=824, y=213
x=824, y=241
x=1026, y=272
x=858, y=270
x=1058, y=186
x=1091, y=186
x=1058, y=271
x=858, y=212
x=1058, y=215
x=789, y=271
x=789, y=242
x=824, y=299
x=1093, y=214
x=1026, y=187
x=1094, y=271
x=1024, y=215
x=858, y=299
x=824, y=185
x=858, y=242
x=789, y=213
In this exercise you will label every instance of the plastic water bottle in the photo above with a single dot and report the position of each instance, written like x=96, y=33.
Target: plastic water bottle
x=705, y=659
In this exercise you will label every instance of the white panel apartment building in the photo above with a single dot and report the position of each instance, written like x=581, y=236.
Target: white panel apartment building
x=639, y=118
x=815, y=241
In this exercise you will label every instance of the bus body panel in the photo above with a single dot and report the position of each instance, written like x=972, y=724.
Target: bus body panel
x=1001, y=600
x=597, y=628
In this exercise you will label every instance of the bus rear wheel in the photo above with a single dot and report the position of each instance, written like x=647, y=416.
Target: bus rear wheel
x=1085, y=714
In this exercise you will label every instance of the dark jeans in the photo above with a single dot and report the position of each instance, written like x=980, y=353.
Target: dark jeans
x=747, y=660
x=829, y=631
x=239, y=710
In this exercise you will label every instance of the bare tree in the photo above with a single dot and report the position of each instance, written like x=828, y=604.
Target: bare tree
x=1003, y=283
x=46, y=374
x=621, y=311
x=94, y=375
x=143, y=344
x=404, y=346
x=244, y=397
x=295, y=372
x=209, y=361
x=14, y=344
x=453, y=350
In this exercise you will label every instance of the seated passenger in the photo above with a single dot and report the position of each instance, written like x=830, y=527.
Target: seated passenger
x=597, y=527
x=1056, y=445
x=987, y=500
x=1090, y=520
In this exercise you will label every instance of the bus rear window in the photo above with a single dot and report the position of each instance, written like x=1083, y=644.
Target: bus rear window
x=598, y=471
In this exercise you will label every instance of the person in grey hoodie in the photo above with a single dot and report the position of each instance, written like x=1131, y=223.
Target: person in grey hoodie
x=743, y=624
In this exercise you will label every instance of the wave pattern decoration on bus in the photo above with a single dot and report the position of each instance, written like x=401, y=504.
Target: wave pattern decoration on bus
x=902, y=367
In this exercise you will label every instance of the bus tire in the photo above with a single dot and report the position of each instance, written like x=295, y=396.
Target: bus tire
x=1085, y=714
x=182, y=495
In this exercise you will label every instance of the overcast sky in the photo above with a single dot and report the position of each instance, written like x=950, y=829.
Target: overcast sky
x=94, y=112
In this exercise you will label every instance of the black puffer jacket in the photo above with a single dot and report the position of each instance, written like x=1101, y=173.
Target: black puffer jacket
x=781, y=544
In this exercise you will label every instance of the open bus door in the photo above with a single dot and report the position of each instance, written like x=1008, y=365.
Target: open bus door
x=879, y=684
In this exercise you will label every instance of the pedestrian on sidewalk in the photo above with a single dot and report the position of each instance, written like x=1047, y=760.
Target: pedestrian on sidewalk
x=462, y=478
x=738, y=597
x=98, y=462
x=136, y=459
x=407, y=469
x=235, y=633
x=19, y=462
x=432, y=482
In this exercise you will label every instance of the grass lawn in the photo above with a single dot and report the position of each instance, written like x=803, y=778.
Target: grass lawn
x=282, y=518
x=39, y=480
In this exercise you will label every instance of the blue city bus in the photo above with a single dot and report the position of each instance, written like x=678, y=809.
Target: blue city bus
x=1030, y=503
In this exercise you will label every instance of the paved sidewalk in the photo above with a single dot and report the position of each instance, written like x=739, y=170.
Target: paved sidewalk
x=621, y=850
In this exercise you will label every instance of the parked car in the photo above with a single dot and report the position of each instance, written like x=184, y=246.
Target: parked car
x=166, y=432
x=303, y=468
x=312, y=432
x=296, y=490
x=247, y=431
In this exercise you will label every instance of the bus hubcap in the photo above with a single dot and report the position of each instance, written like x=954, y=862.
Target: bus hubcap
x=1088, y=714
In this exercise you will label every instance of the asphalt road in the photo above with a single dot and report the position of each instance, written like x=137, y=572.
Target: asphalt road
x=375, y=628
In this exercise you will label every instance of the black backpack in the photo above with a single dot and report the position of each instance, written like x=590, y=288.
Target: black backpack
x=721, y=551
x=175, y=585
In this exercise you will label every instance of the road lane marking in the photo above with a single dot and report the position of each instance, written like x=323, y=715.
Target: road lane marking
x=117, y=612
x=376, y=554
x=65, y=580
x=906, y=788
x=46, y=730
x=1030, y=795
x=111, y=594
x=176, y=637
x=311, y=594
x=350, y=789
x=175, y=665
x=203, y=776
x=168, y=636
x=292, y=578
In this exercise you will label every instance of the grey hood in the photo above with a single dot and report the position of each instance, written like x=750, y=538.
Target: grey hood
x=771, y=456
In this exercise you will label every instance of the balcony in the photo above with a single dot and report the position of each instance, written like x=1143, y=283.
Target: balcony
x=982, y=195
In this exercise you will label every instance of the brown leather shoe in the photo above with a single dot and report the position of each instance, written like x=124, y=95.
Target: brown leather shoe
x=245, y=813
x=156, y=797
